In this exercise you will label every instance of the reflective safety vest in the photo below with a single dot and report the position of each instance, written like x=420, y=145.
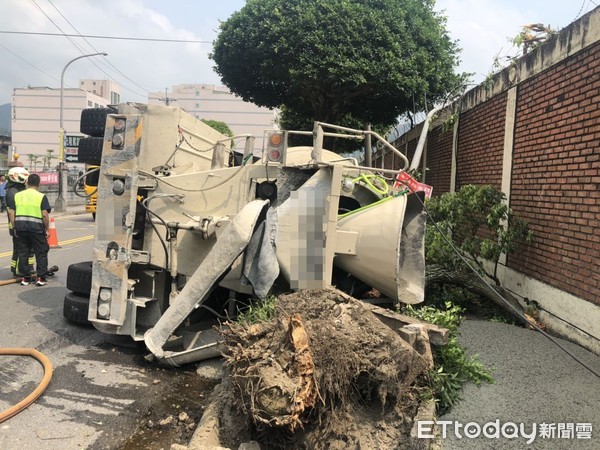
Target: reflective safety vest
x=28, y=211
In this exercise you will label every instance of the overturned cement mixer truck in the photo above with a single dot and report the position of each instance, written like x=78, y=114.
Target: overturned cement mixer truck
x=187, y=230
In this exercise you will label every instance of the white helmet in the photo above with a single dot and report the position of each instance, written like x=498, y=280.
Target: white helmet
x=18, y=174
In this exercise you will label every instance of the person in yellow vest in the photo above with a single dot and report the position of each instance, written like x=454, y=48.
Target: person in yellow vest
x=17, y=177
x=31, y=223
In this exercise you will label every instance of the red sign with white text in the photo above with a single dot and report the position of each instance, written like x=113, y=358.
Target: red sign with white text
x=404, y=179
x=48, y=177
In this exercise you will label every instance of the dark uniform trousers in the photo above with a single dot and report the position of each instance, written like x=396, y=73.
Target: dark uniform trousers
x=31, y=231
x=12, y=190
x=37, y=242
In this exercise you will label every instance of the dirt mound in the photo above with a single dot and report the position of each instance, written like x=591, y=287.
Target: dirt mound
x=323, y=373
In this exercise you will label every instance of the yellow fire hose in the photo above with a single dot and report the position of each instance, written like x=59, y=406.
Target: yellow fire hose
x=44, y=361
x=5, y=282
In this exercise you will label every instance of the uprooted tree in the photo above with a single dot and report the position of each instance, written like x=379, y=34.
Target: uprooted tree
x=338, y=61
x=323, y=372
x=477, y=222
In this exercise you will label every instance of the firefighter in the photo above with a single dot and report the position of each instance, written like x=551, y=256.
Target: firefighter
x=31, y=224
x=17, y=176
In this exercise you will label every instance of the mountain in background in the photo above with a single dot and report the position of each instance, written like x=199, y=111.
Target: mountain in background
x=5, y=119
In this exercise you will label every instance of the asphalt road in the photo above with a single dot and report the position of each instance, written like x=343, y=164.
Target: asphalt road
x=536, y=384
x=101, y=387
x=103, y=390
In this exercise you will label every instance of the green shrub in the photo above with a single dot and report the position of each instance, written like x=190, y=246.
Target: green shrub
x=452, y=366
x=478, y=222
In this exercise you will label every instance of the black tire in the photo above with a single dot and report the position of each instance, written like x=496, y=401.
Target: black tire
x=93, y=121
x=90, y=150
x=79, y=278
x=94, y=216
x=75, y=308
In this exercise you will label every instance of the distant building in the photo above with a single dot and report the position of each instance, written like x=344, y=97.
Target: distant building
x=106, y=89
x=36, y=114
x=206, y=101
x=5, y=153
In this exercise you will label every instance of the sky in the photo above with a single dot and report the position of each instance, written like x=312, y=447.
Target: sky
x=482, y=28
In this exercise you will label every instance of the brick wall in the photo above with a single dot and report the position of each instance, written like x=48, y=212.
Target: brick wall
x=389, y=159
x=481, y=143
x=407, y=149
x=411, y=148
x=439, y=159
x=556, y=174
x=549, y=165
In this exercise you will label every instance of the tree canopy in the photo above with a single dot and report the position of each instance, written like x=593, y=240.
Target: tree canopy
x=332, y=60
x=221, y=127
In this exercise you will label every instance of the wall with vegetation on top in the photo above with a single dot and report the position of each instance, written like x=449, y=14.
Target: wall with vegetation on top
x=534, y=132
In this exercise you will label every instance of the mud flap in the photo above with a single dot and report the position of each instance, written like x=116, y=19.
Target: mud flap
x=233, y=241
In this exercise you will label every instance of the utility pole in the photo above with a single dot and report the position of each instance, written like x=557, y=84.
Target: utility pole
x=166, y=99
x=61, y=203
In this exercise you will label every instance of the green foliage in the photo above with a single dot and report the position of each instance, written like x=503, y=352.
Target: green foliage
x=449, y=123
x=328, y=60
x=452, y=366
x=259, y=312
x=437, y=295
x=417, y=174
x=478, y=221
x=221, y=127
x=488, y=83
x=530, y=37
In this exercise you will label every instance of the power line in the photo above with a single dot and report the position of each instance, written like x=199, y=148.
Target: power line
x=69, y=36
x=27, y=62
x=81, y=50
x=505, y=301
x=96, y=36
x=98, y=51
x=79, y=35
x=56, y=25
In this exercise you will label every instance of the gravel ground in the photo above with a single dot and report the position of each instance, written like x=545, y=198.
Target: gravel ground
x=536, y=383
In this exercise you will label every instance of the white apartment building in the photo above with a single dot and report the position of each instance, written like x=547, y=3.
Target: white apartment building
x=36, y=114
x=206, y=101
x=106, y=89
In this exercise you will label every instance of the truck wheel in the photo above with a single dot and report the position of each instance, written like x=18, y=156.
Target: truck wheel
x=93, y=121
x=79, y=278
x=90, y=150
x=75, y=308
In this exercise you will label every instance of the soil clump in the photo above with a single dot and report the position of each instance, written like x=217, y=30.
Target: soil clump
x=324, y=372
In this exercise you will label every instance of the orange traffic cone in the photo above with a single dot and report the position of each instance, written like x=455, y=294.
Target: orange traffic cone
x=53, y=238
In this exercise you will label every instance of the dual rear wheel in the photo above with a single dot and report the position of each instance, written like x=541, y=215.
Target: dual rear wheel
x=76, y=303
